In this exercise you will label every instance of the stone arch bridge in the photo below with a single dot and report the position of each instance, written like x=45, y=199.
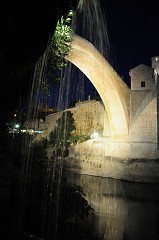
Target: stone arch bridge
x=113, y=91
x=131, y=152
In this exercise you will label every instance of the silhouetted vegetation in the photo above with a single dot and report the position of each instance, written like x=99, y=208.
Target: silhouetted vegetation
x=61, y=133
x=65, y=134
x=36, y=201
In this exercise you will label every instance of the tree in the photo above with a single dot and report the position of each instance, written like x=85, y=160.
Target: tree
x=61, y=134
x=59, y=47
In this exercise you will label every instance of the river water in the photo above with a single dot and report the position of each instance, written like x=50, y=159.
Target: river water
x=44, y=203
x=122, y=210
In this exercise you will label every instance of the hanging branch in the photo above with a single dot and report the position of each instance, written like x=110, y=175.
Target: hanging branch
x=60, y=44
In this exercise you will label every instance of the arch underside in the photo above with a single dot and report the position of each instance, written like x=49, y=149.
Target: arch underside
x=111, y=88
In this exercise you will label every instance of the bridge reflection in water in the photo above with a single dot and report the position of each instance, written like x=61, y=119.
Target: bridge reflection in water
x=122, y=210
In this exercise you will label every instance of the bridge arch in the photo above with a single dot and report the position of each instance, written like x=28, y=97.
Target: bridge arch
x=113, y=91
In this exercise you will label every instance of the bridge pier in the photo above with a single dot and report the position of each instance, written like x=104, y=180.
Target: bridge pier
x=137, y=162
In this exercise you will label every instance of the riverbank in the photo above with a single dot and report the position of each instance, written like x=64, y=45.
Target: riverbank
x=114, y=160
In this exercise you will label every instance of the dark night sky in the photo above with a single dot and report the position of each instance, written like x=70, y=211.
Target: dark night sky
x=25, y=27
x=134, y=32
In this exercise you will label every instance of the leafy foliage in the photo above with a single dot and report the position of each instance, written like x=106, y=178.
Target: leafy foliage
x=65, y=134
x=60, y=45
x=62, y=132
x=77, y=137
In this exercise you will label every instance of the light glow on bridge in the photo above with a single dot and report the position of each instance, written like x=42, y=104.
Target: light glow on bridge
x=95, y=135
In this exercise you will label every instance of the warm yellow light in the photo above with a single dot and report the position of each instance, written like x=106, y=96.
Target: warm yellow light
x=95, y=135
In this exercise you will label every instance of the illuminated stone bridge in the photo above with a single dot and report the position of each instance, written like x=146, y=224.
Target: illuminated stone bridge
x=131, y=151
x=112, y=89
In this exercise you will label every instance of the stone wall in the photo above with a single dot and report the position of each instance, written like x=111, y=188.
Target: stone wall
x=89, y=116
x=127, y=161
x=143, y=117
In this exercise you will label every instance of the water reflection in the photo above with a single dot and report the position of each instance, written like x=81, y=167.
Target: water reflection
x=123, y=210
x=48, y=205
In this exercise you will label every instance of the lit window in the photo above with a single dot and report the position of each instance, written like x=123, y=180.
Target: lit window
x=142, y=84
